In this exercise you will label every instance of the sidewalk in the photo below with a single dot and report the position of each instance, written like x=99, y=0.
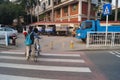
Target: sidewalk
x=19, y=44
x=55, y=43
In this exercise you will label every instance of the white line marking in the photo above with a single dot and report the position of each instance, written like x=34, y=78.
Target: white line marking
x=117, y=52
x=43, y=67
x=112, y=52
x=62, y=60
x=69, y=55
x=44, y=54
x=7, y=52
x=44, y=59
x=118, y=55
x=11, y=77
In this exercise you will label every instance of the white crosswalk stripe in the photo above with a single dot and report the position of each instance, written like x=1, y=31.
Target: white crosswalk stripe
x=48, y=57
x=11, y=77
x=116, y=53
x=44, y=54
x=49, y=68
x=45, y=59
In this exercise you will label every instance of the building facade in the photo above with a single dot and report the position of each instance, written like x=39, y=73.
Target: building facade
x=73, y=11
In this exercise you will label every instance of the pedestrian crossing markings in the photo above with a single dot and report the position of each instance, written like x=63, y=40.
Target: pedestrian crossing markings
x=42, y=67
x=116, y=53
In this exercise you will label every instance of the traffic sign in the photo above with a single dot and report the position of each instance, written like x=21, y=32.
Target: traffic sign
x=107, y=9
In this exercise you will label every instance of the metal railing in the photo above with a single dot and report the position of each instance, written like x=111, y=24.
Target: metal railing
x=100, y=39
x=4, y=39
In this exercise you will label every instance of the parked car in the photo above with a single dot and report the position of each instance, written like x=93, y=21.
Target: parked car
x=41, y=29
x=10, y=31
x=50, y=30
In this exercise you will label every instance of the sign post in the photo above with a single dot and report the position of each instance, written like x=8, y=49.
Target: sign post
x=106, y=12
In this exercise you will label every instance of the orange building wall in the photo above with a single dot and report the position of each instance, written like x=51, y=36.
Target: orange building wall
x=57, y=15
x=84, y=12
x=84, y=19
x=84, y=8
x=74, y=19
x=65, y=20
x=75, y=11
x=64, y=14
x=58, y=21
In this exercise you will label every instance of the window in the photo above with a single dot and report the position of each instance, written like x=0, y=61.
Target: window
x=65, y=9
x=8, y=29
x=48, y=2
x=58, y=12
x=44, y=6
x=1, y=29
x=74, y=7
x=86, y=25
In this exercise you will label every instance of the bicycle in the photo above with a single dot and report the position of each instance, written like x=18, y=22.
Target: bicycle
x=37, y=49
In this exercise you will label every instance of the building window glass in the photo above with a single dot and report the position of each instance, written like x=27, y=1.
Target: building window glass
x=65, y=9
x=58, y=12
x=74, y=7
x=48, y=2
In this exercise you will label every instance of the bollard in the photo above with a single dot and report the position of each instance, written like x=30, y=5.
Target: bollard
x=63, y=45
x=51, y=45
x=71, y=44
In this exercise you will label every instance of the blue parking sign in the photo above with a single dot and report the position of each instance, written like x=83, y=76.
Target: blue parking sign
x=107, y=9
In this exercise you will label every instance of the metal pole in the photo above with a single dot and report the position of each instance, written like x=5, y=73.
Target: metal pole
x=37, y=11
x=106, y=30
x=6, y=39
x=52, y=18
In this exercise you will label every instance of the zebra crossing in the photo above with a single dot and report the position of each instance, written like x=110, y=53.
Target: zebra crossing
x=14, y=66
x=116, y=53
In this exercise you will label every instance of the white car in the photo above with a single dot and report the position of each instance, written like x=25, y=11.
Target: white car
x=10, y=32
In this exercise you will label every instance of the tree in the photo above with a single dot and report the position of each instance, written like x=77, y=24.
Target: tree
x=108, y=1
x=28, y=6
x=10, y=12
x=4, y=1
x=1, y=1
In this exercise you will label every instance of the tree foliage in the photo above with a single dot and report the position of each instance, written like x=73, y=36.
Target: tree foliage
x=10, y=11
x=112, y=16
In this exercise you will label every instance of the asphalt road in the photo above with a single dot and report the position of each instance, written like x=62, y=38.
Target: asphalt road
x=108, y=62
x=50, y=66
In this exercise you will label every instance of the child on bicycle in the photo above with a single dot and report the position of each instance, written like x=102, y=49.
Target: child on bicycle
x=36, y=41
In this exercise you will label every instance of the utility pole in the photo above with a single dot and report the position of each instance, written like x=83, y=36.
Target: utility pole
x=52, y=18
x=116, y=10
x=38, y=11
x=89, y=9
